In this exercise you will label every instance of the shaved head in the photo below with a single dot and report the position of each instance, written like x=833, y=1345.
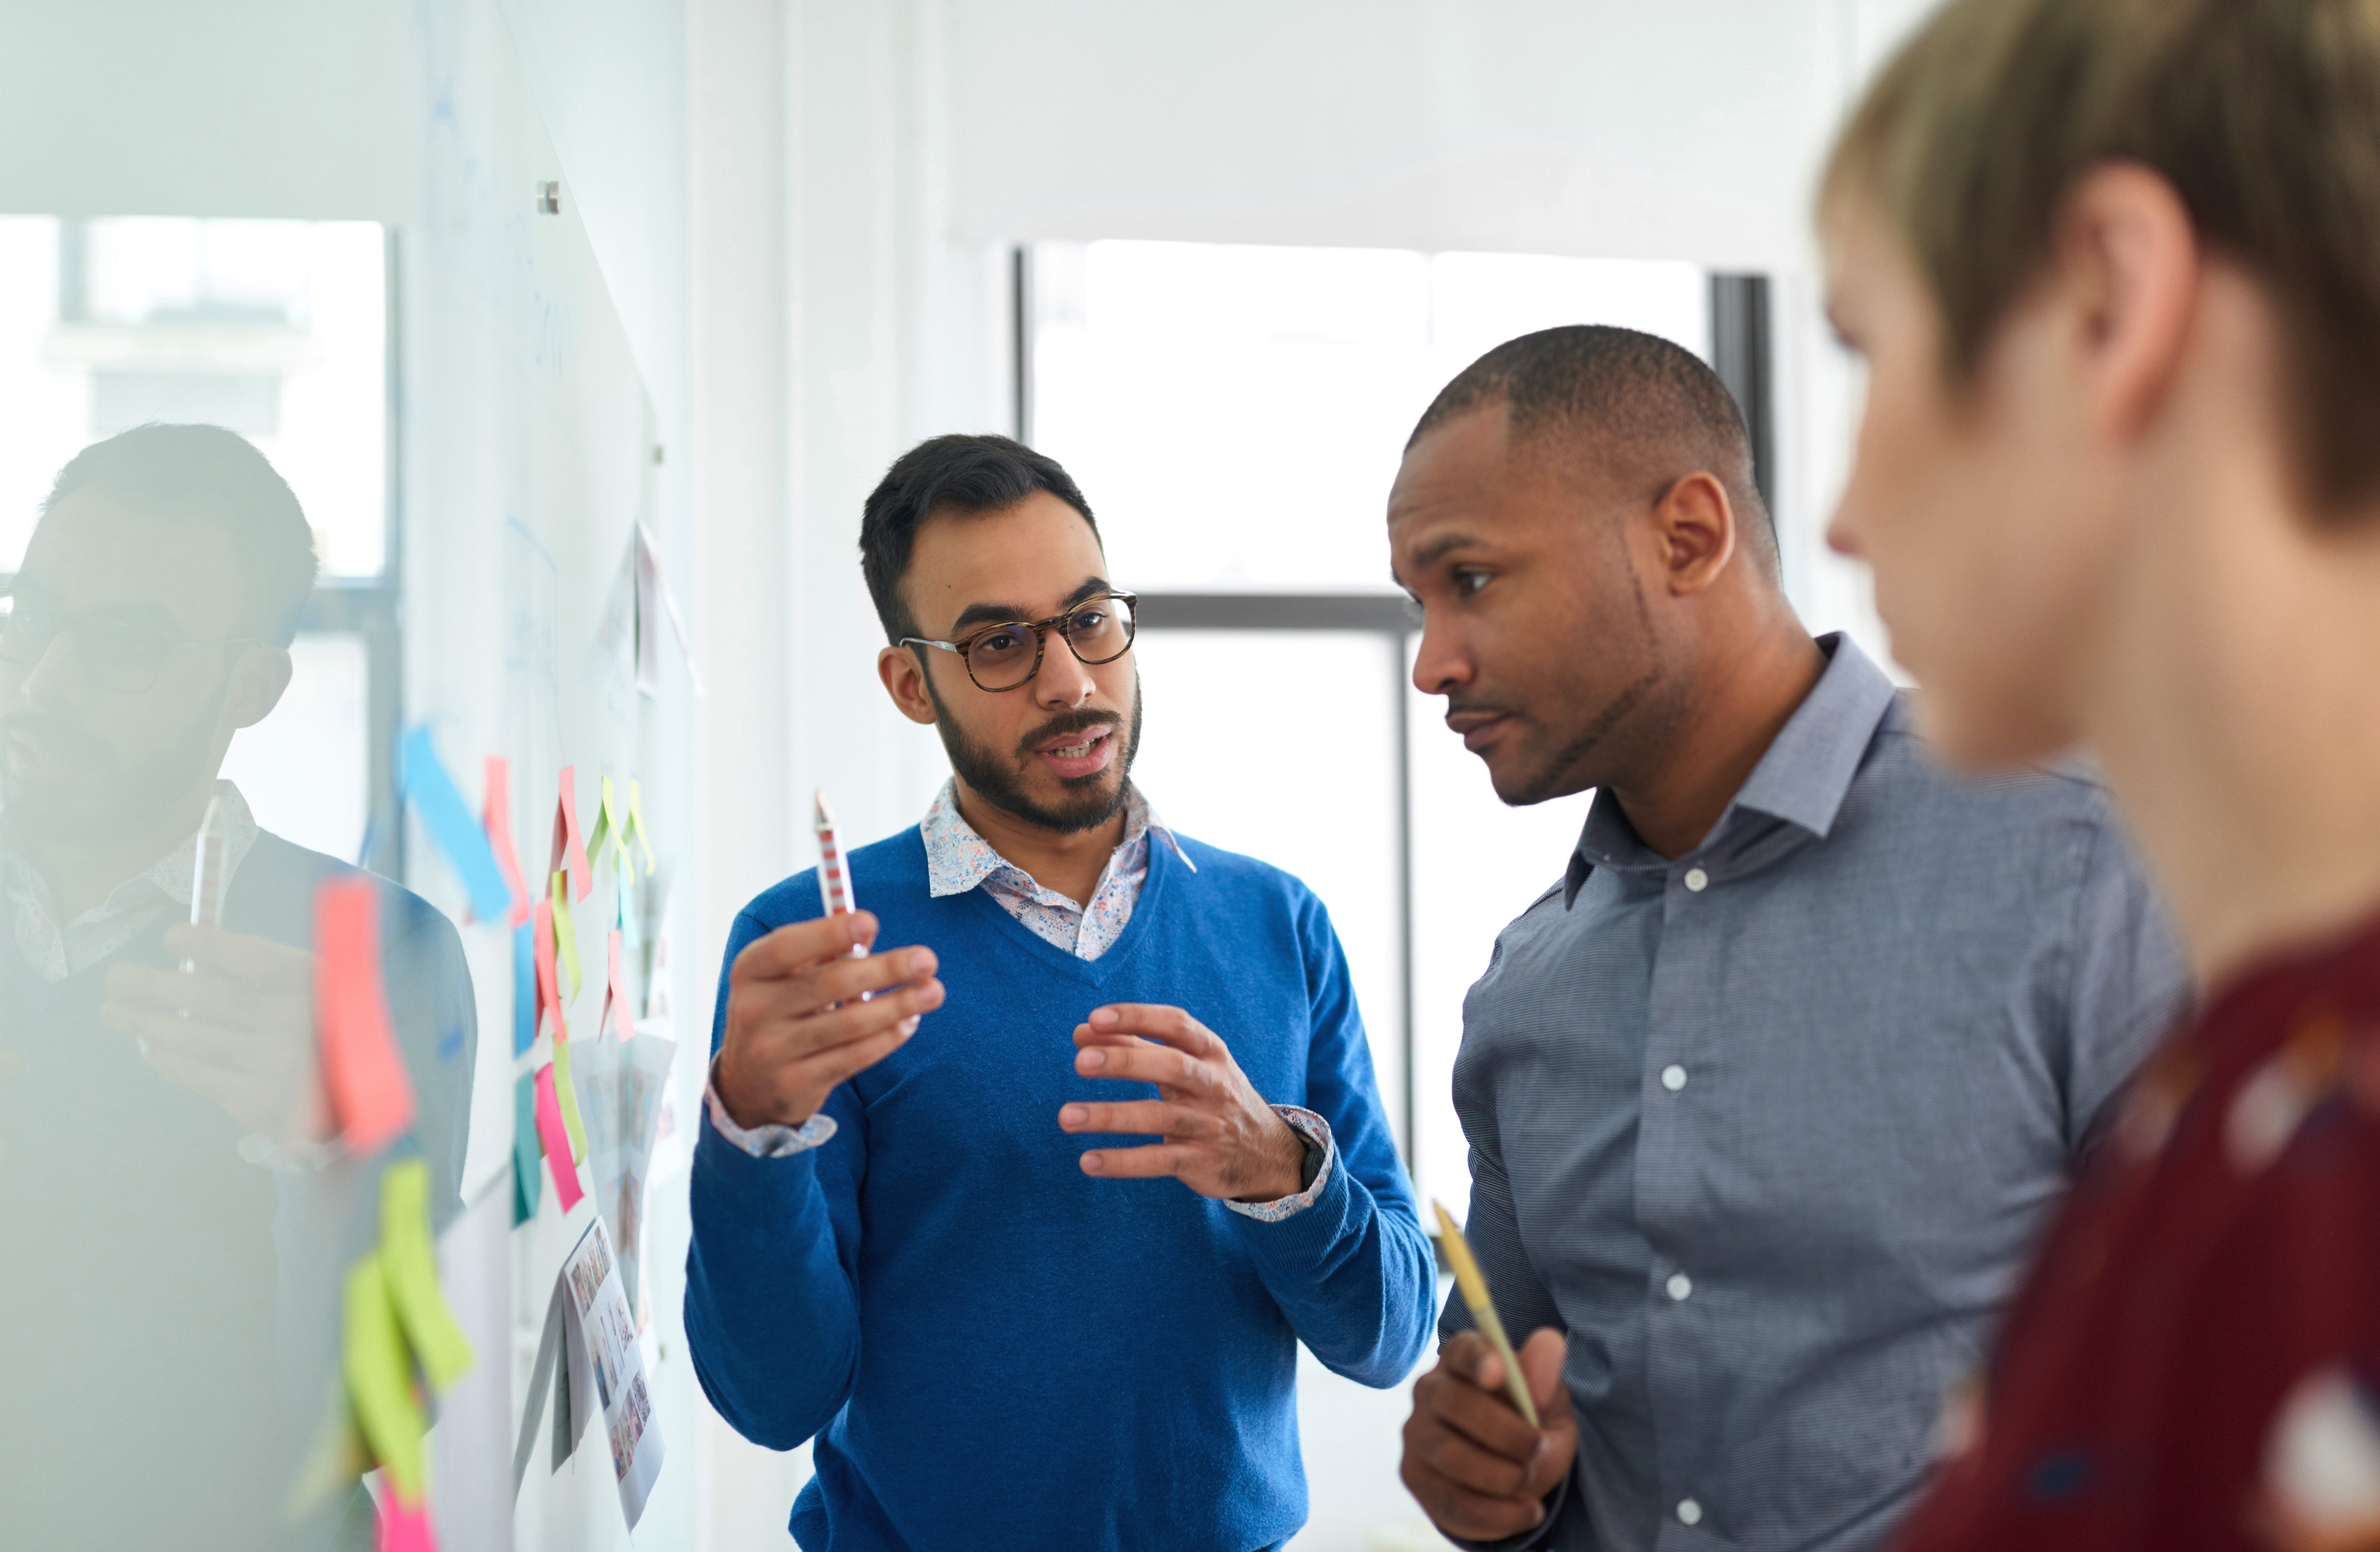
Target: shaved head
x=1629, y=408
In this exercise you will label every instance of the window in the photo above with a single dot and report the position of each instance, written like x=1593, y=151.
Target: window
x=1235, y=415
x=279, y=330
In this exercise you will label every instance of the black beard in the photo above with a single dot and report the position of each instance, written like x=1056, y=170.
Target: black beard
x=1001, y=783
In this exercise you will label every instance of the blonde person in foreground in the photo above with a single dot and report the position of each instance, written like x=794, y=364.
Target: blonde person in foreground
x=2112, y=265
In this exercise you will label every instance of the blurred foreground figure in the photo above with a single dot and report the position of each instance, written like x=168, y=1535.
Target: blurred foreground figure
x=175, y=1209
x=2111, y=264
x=1769, y=1097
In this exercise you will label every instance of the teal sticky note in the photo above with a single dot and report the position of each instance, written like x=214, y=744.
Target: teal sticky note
x=524, y=989
x=434, y=795
x=527, y=1186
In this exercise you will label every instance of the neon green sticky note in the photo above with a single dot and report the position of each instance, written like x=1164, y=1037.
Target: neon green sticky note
x=636, y=823
x=379, y=1385
x=565, y=937
x=411, y=1269
x=566, y=1094
x=607, y=827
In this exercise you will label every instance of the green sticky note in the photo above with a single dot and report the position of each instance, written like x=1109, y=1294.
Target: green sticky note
x=565, y=937
x=380, y=1383
x=528, y=1185
x=411, y=1270
x=566, y=1094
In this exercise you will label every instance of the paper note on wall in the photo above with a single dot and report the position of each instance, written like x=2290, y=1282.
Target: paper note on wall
x=496, y=818
x=525, y=991
x=616, y=993
x=448, y=819
x=405, y=1529
x=601, y=1335
x=380, y=1382
x=567, y=1095
x=569, y=848
x=556, y=1138
x=566, y=939
x=526, y=1187
x=621, y=1088
x=411, y=1269
x=370, y=1092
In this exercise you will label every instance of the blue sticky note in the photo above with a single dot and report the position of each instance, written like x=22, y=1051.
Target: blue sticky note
x=431, y=792
x=527, y=1185
x=524, y=989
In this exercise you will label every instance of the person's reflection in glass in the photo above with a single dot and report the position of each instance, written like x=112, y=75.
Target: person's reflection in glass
x=176, y=1209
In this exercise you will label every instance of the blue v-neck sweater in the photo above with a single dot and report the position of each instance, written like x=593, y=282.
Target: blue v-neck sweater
x=997, y=1351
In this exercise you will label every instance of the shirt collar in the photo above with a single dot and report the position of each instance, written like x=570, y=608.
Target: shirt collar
x=957, y=858
x=1802, y=778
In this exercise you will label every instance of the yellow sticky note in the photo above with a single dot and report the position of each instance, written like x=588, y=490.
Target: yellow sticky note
x=567, y=1095
x=565, y=937
x=379, y=1384
x=332, y=1463
x=411, y=1269
x=636, y=823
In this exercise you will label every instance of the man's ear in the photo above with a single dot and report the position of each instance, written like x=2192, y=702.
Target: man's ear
x=904, y=681
x=1696, y=525
x=2127, y=265
x=258, y=682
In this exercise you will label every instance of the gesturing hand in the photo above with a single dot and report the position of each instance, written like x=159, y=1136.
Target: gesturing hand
x=238, y=1030
x=1221, y=1139
x=796, y=1025
x=1474, y=1463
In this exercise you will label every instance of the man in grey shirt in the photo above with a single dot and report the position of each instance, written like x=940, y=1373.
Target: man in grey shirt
x=1769, y=1097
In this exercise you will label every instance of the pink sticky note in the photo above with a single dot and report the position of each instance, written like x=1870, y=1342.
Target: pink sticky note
x=370, y=1093
x=569, y=846
x=548, y=993
x=556, y=1138
x=406, y=1529
x=496, y=815
x=615, y=996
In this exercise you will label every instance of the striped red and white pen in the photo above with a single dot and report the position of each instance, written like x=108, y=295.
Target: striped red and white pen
x=834, y=885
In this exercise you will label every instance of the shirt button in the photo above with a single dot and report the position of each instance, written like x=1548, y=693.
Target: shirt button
x=1681, y=1287
x=1697, y=881
x=1673, y=1077
x=1689, y=1512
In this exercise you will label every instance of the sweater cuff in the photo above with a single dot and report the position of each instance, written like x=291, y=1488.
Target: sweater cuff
x=1322, y=1156
x=763, y=1142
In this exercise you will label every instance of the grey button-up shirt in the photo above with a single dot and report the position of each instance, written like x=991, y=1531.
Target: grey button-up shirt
x=1769, y=1129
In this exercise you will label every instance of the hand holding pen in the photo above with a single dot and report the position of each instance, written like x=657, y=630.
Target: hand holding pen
x=1491, y=1432
x=808, y=1006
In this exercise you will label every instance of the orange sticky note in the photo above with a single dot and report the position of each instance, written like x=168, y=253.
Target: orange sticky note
x=548, y=995
x=615, y=995
x=569, y=847
x=406, y=1529
x=496, y=814
x=370, y=1093
x=556, y=1138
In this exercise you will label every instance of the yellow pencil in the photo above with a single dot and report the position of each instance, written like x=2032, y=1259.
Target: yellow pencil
x=1483, y=1309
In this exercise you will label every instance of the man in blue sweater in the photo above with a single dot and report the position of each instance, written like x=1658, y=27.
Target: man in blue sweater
x=946, y=1248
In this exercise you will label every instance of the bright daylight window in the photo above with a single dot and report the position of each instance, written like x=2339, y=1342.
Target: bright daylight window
x=279, y=331
x=1235, y=415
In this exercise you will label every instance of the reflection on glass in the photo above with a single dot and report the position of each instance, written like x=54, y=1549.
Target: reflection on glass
x=176, y=1202
x=277, y=330
x=1297, y=373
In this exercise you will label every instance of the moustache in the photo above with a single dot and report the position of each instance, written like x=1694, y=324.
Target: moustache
x=47, y=728
x=1063, y=723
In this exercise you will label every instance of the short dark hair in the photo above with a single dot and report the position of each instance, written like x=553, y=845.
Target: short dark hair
x=1646, y=404
x=970, y=476
x=205, y=474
